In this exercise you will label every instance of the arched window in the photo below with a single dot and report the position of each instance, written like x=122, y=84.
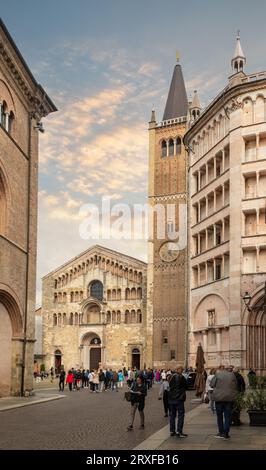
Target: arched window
x=71, y=319
x=54, y=319
x=81, y=295
x=171, y=148
x=76, y=296
x=164, y=149
x=133, y=316
x=109, y=294
x=55, y=284
x=139, y=316
x=76, y=319
x=127, y=316
x=127, y=293
x=133, y=293
x=55, y=298
x=139, y=293
x=113, y=317
x=108, y=317
x=3, y=114
x=59, y=322
x=96, y=290
x=113, y=294
x=118, y=317
x=178, y=146
x=64, y=319
x=118, y=294
x=71, y=296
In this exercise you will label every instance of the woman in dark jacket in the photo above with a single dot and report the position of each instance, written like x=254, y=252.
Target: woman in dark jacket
x=138, y=393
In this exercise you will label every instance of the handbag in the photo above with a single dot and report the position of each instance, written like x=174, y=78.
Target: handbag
x=127, y=396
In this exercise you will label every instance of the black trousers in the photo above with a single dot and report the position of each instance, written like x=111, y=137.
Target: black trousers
x=165, y=403
x=178, y=407
x=61, y=385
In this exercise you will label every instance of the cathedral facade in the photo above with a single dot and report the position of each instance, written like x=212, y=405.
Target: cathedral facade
x=94, y=312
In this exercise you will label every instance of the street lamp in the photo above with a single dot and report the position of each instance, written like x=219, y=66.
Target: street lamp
x=247, y=299
x=259, y=306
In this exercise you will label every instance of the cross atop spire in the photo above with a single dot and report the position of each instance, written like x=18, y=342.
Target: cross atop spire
x=239, y=60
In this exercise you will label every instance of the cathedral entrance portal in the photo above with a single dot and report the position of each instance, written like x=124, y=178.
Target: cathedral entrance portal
x=95, y=358
x=136, y=358
x=57, y=361
x=91, y=351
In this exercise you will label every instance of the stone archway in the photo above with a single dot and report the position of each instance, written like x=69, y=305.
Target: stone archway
x=91, y=351
x=209, y=326
x=135, y=358
x=6, y=351
x=10, y=330
x=92, y=314
x=57, y=361
x=256, y=335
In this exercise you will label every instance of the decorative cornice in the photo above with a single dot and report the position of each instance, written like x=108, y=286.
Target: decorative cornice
x=165, y=319
x=169, y=196
x=16, y=74
x=38, y=101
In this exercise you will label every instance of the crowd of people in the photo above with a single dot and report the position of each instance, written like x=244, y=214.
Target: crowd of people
x=222, y=386
x=100, y=380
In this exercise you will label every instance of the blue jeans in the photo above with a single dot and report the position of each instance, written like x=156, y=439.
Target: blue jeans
x=178, y=407
x=223, y=412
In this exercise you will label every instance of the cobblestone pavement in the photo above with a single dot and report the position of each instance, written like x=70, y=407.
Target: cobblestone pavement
x=82, y=420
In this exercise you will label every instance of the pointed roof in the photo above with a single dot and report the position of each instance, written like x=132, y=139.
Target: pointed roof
x=195, y=102
x=177, y=103
x=153, y=116
x=238, y=50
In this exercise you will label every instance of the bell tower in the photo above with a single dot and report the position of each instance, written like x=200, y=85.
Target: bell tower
x=167, y=257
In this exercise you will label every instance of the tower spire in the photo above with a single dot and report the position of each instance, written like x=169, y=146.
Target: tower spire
x=195, y=107
x=177, y=103
x=239, y=60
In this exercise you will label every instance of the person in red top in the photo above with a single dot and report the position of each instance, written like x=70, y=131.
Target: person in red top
x=70, y=380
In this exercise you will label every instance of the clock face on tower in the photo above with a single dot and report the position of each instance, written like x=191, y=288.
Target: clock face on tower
x=169, y=252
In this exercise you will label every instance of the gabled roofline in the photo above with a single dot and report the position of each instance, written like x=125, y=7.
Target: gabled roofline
x=93, y=248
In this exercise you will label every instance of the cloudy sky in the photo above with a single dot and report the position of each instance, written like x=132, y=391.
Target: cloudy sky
x=105, y=63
